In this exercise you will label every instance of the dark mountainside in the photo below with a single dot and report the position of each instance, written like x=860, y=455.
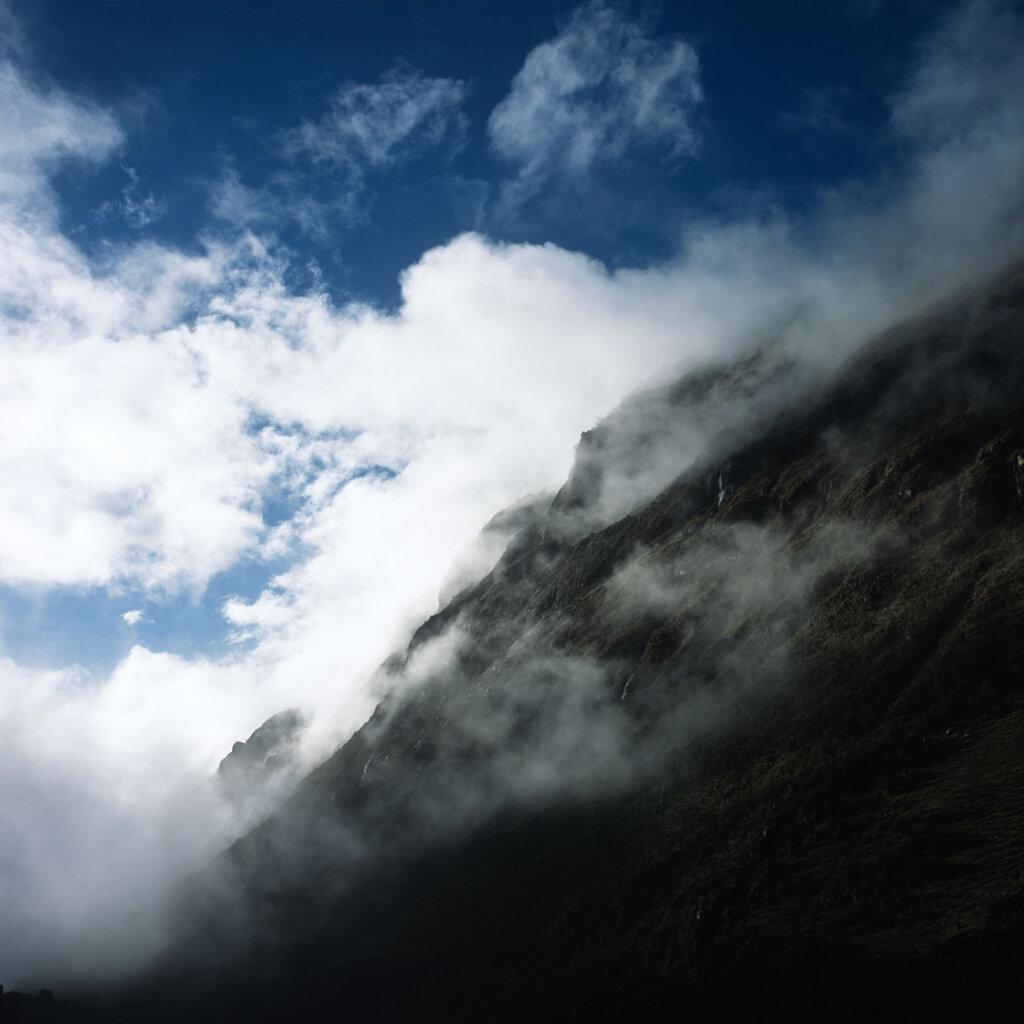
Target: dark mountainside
x=753, y=749
x=252, y=765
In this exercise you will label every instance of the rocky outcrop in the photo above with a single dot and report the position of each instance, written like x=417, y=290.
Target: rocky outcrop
x=251, y=765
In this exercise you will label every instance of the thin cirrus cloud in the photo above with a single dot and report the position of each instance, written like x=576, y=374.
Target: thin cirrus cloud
x=368, y=129
x=380, y=125
x=940, y=107
x=138, y=211
x=598, y=90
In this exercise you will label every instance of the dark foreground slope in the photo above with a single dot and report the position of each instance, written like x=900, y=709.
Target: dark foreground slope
x=754, y=749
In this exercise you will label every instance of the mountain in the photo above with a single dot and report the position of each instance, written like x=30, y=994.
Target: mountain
x=733, y=727
x=253, y=765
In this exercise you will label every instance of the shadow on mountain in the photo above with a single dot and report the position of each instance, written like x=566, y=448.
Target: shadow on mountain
x=737, y=734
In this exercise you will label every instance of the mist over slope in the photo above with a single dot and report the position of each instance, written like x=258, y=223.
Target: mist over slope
x=752, y=744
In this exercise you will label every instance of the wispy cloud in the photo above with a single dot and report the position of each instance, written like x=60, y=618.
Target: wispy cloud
x=825, y=111
x=863, y=10
x=42, y=127
x=137, y=210
x=600, y=89
x=974, y=57
x=381, y=125
x=329, y=163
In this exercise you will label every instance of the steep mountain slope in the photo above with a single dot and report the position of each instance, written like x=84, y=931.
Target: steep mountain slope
x=752, y=746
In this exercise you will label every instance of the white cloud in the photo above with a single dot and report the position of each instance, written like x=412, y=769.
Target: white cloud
x=106, y=805
x=367, y=129
x=379, y=125
x=133, y=617
x=601, y=88
x=41, y=128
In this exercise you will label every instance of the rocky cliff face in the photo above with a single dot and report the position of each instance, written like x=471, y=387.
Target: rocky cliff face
x=736, y=729
x=253, y=767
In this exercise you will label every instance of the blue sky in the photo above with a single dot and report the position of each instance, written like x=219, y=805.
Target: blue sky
x=296, y=296
x=794, y=98
x=237, y=117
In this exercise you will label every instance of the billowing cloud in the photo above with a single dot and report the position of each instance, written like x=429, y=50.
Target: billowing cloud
x=83, y=869
x=156, y=406
x=599, y=89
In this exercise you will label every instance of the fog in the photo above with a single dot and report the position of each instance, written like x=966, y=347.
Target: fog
x=489, y=720
x=163, y=396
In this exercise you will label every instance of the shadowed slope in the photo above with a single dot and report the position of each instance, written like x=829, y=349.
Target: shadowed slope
x=754, y=746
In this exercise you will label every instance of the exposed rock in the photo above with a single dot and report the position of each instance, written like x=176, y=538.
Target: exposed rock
x=252, y=764
x=494, y=538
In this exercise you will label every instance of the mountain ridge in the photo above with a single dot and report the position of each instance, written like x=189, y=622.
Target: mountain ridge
x=750, y=748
